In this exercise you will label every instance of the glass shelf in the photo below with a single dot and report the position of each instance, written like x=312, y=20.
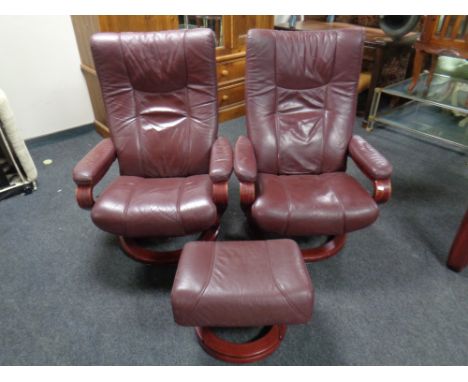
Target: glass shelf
x=439, y=112
x=428, y=120
x=446, y=92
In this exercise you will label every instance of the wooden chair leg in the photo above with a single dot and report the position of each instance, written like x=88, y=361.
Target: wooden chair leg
x=458, y=257
x=430, y=76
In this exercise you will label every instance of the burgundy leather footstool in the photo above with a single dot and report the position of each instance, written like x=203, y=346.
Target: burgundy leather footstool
x=242, y=284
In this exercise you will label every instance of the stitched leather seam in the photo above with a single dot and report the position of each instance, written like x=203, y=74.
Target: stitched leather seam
x=288, y=198
x=137, y=130
x=356, y=82
x=189, y=114
x=285, y=296
x=343, y=211
x=325, y=130
x=308, y=88
x=276, y=113
x=127, y=205
x=179, y=195
x=207, y=282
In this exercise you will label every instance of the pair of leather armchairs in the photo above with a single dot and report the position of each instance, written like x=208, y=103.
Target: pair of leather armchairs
x=160, y=93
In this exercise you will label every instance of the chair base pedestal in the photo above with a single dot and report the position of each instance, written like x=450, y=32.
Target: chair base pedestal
x=330, y=248
x=143, y=255
x=241, y=352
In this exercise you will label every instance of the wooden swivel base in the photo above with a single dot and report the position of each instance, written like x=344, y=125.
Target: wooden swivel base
x=143, y=255
x=333, y=245
x=244, y=352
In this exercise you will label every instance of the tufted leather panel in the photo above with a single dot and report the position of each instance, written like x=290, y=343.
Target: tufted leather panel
x=140, y=207
x=299, y=205
x=242, y=283
x=301, y=98
x=159, y=90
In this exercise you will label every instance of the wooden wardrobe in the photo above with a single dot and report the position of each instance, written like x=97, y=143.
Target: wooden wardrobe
x=230, y=33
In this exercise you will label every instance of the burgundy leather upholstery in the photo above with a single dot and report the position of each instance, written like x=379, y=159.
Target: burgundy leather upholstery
x=368, y=159
x=297, y=205
x=221, y=160
x=301, y=98
x=137, y=207
x=159, y=90
x=242, y=283
x=301, y=104
x=245, y=164
x=91, y=169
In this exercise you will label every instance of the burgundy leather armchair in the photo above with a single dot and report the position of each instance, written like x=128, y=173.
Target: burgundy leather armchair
x=159, y=90
x=301, y=103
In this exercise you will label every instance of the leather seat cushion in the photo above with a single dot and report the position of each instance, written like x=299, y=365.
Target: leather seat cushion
x=299, y=205
x=242, y=283
x=148, y=207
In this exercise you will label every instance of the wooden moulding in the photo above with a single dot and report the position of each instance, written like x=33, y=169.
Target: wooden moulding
x=382, y=190
x=84, y=196
x=244, y=352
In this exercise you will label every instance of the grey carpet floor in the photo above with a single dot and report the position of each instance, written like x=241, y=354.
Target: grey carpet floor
x=69, y=296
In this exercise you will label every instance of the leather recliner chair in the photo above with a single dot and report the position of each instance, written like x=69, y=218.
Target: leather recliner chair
x=301, y=104
x=160, y=94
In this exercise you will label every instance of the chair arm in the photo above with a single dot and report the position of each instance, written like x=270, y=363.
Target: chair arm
x=245, y=167
x=373, y=165
x=245, y=164
x=221, y=161
x=91, y=169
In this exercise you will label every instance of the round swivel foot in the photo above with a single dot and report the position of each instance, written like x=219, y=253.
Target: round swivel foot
x=143, y=255
x=330, y=248
x=243, y=352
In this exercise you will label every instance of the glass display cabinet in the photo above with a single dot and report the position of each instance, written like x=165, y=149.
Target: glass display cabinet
x=214, y=22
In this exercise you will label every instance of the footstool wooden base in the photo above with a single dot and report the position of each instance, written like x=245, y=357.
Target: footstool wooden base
x=242, y=284
x=244, y=352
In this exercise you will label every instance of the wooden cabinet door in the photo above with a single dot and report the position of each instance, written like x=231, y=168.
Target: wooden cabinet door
x=137, y=23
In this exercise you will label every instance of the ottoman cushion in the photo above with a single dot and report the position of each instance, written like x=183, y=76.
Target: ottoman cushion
x=242, y=283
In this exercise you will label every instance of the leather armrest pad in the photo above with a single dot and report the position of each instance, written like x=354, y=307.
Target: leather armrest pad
x=368, y=159
x=245, y=164
x=94, y=164
x=221, y=160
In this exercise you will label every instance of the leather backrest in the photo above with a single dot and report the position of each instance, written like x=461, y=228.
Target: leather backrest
x=301, y=90
x=160, y=94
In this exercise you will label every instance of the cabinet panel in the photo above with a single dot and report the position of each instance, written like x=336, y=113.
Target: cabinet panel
x=244, y=23
x=233, y=111
x=231, y=94
x=137, y=23
x=85, y=27
x=95, y=94
x=229, y=71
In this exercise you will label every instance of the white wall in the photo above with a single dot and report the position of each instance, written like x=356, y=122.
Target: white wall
x=40, y=74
